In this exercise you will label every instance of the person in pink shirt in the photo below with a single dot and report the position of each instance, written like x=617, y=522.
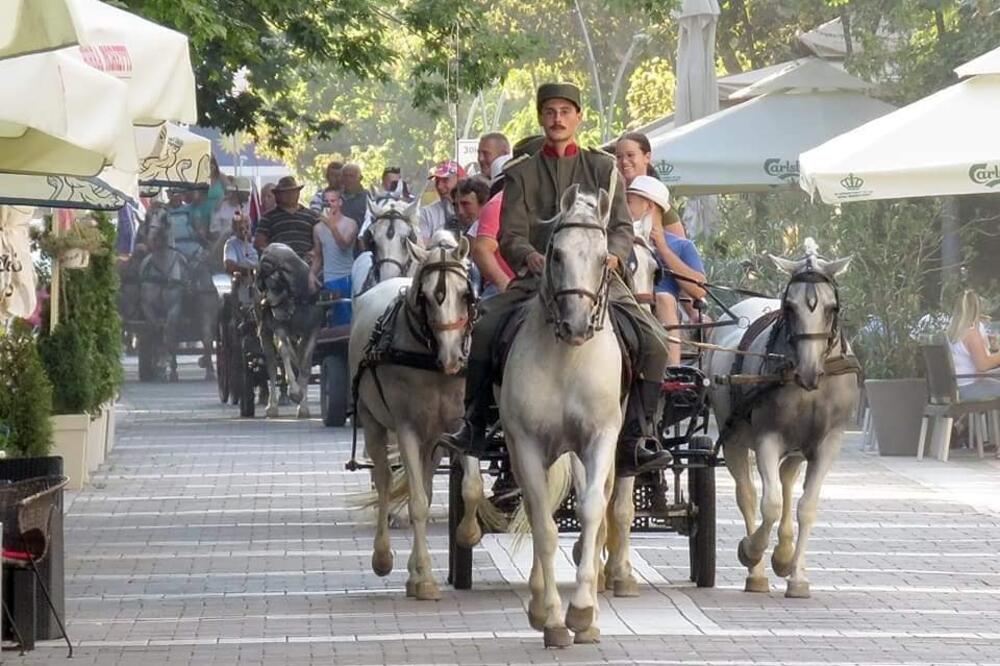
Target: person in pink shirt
x=485, y=248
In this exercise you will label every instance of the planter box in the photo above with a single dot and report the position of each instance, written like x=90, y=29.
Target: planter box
x=110, y=432
x=95, y=440
x=51, y=569
x=69, y=441
x=897, y=407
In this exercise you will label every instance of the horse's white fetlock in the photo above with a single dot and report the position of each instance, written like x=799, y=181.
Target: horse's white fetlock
x=797, y=589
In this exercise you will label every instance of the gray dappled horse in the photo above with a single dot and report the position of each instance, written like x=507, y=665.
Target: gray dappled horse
x=795, y=413
x=409, y=384
x=387, y=238
x=289, y=322
x=561, y=395
x=204, y=303
x=162, y=280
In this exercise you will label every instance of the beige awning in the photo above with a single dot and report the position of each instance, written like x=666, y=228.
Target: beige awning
x=33, y=26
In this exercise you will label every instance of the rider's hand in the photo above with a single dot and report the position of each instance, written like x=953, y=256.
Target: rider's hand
x=613, y=262
x=535, y=262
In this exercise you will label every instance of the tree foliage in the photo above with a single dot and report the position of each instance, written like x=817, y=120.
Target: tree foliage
x=25, y=395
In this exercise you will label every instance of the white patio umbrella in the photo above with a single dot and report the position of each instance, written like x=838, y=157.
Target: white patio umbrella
x=57, y=115
x=755, y=146
x=17, y=272
x=31, y=26
x=153, y=60
x=174, y=157
x=942, y=145
x=697, y=93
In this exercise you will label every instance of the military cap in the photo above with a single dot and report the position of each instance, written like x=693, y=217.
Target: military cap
x=566, y=91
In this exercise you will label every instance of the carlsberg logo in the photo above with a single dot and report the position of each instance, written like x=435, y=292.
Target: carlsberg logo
x=985, y=174
x=783, y=169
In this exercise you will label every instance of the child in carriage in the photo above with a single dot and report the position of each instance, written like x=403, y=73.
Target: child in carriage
x=649, y=198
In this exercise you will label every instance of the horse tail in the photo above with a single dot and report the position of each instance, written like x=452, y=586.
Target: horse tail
x=399, y=488
x=560, y=481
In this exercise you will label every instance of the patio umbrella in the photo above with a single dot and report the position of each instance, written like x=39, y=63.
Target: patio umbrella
x=57, y=115
x=697, y=93
x=942, y=145
x=755, y=146
x=154, y=61
x=173, y=157
x=31, y=26
x=17, y=272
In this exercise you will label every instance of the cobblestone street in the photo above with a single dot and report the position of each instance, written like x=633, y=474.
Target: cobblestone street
x=209, y=539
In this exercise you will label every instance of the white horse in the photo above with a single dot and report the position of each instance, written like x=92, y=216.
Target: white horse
x=799, y=411
x=415, y=392
x=389, y=254
x=561, y=394
x=618, y=574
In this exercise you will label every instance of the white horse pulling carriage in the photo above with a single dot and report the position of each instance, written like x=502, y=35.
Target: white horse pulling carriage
x=560, y=408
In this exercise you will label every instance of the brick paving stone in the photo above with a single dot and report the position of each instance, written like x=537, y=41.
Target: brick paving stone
x=208, y=539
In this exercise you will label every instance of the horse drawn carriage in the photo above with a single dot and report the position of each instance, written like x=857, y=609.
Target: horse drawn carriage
x=242, y=362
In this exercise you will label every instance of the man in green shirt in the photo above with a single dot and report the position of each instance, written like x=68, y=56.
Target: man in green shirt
x=534, y=186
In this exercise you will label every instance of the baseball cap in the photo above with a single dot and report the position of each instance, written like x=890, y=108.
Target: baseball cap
x=651, y=189
x=447, y=169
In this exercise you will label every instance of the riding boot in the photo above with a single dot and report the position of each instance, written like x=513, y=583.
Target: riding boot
x=470, y=438
x=639, y=449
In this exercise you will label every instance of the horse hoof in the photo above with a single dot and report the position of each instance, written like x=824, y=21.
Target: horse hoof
x=468, y=537
x=577, y=551
x=592, y=635
x=782, y=568
x=411, y=589
x=744, y=556
x=427, y=590
x=557, y=637
x=757, y=584
x=797, y=589
x=626, y=587
x=382, y=565
x=272, y=412
x=303, y=412
x=579, y=619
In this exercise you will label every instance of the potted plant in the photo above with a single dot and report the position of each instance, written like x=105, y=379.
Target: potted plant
x=74, y=246
x=25, y=440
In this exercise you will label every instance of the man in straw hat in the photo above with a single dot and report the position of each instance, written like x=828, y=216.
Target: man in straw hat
x=289, y=222
x=534, y=186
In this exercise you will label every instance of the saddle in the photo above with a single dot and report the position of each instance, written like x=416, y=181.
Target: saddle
x=626, y=333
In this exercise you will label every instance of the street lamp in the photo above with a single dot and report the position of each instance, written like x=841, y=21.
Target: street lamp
x=638, y=38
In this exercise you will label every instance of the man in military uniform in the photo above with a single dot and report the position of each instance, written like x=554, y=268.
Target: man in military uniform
x=534, y=186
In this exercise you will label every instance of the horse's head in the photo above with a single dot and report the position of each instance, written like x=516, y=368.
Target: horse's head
x=642, y=263
x=441, y=303
x=811, y=308
x=575, y=281
x=158, y=226
x=394, y=225
x=282, y=279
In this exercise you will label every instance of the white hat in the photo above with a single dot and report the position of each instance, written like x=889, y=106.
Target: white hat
x=496, y=168
x=651, y=189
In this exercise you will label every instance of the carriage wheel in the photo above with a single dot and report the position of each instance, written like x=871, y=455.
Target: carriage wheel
x=459, y=558
x=222, y=360
x=701, y=494
x=147, y=357
x=247, y=395
x=334, y=386
x=234, y=364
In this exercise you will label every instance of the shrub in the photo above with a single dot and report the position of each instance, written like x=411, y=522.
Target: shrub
x=25, y=395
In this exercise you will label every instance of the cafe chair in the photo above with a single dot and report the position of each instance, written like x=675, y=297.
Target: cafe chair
x=26, y=509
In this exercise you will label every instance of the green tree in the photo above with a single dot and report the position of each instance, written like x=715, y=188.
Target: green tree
x=25, y=395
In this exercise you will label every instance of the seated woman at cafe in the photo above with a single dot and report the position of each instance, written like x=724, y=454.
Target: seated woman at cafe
x=970, y=350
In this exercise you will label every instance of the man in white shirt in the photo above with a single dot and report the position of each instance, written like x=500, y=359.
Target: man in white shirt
x=441, y=214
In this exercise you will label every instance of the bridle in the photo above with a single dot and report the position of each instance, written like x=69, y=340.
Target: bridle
x=811, y=277
x=550, y=296
x=421, y=327
x=377, y=262
x=643, y=298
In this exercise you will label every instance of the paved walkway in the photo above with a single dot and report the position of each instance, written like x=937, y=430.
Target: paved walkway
x=207, y=539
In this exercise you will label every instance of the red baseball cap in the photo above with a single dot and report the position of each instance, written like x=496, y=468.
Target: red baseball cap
x=447, y=169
